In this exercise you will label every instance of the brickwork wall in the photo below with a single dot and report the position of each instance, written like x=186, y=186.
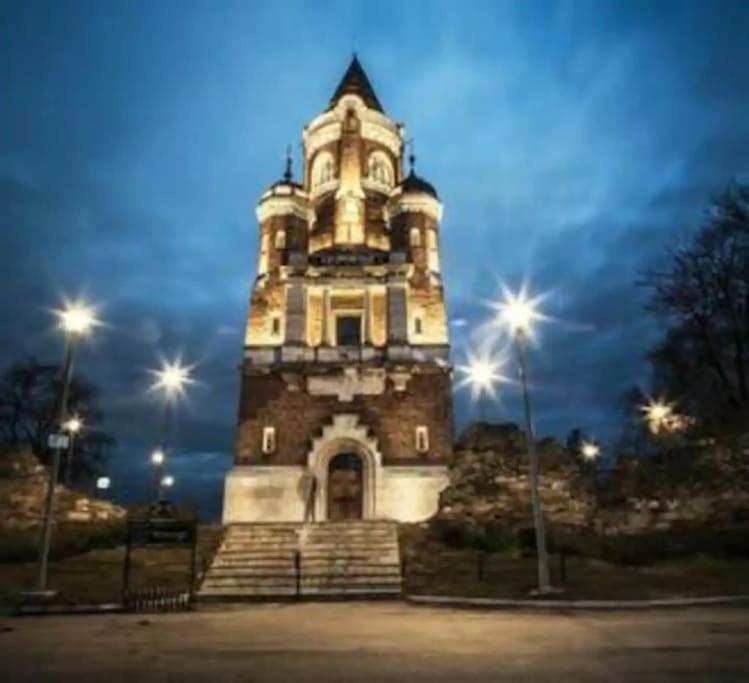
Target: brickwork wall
x=279, y=399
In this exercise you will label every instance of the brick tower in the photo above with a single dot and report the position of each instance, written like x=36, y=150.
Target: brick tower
x=345, y=370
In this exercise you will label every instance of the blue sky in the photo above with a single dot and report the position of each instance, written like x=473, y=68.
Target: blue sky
x=571, y=144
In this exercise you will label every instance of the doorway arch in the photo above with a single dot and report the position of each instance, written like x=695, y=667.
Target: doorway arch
x=346, y=436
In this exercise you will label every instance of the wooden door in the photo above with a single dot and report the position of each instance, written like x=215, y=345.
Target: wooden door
x=345, y=487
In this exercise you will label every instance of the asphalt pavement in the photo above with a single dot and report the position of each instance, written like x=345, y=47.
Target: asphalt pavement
x=352, y=642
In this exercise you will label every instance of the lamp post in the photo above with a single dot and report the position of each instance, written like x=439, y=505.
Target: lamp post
x=517, y=313
x=75, y=320
x=72, y=427
x=482, y=374
x=157, y=460
x=171, y=381
x=102, y=485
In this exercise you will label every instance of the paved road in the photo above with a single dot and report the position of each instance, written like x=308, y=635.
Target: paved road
x=350, y=642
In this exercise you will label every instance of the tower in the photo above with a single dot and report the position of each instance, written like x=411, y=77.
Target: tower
x=345, y=368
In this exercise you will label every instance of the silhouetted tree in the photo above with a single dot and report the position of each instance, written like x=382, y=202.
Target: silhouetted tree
x=29, y=392
x=702, y=294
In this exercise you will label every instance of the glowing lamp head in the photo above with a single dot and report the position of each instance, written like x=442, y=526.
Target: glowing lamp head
x=157, y=457
x=168, y=481
x=590, y=450
x=517, y=312
x=481, y=374
x=103, y=483
x=658, y=415
x=73, y=425
x=77, y=319
x=172, y=378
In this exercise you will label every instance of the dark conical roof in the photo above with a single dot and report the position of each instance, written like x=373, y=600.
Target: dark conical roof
x=413, y=183
x=355, y=82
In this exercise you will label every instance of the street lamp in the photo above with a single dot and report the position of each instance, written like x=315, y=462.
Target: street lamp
x=171, y=379
x=659, y=415
x=72, y=427
x=76, y=320
x=517, y=313
x=158, y=458
x=482, y=374
x=590, y=450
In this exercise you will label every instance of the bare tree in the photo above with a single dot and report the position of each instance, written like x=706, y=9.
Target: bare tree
x=28, y=410
x=702, y=293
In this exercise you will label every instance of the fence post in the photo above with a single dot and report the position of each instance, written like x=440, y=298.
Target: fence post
x=126, y=565
x=298, y=572
x=193, y=559
x=562, y=567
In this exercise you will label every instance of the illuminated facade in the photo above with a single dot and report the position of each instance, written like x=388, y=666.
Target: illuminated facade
x=345, y=370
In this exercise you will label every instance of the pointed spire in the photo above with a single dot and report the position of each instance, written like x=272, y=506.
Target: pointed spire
x=355, y=81
x=288, y=174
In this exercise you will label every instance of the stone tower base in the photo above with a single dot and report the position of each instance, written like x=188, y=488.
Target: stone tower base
x=259, y=493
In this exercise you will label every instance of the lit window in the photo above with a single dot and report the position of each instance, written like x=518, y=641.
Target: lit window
x=281, y=239
x=415, y=237
x=422, y=439
x=269, y=439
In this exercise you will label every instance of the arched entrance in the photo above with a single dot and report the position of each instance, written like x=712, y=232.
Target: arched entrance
x=345, y=487
x=345, y=435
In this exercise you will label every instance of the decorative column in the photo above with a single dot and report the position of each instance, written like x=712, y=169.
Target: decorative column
x=326, y=317
x=367, y=319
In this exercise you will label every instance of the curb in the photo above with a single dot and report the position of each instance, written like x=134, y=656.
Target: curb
x=499, y=603
x=65, y=610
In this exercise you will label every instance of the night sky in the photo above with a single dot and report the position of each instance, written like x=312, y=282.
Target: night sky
x=570, y=142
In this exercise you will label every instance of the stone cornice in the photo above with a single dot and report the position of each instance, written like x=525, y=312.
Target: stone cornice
x=414, y=202
x=284, y=205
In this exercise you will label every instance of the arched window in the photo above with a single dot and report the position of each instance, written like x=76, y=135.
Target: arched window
x=323, y=169
x=414, y=237
x=380, y=170
x=281, y=239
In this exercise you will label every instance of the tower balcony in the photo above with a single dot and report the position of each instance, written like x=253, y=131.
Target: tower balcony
x=269, y=356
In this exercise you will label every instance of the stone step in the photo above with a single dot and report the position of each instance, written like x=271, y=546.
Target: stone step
x=337, y=559
x=270, y=593
x=251, y=560
x=359, y=570
x=311, y=582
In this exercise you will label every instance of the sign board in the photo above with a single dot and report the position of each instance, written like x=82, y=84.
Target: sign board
x=58, y=441
x=162, y=532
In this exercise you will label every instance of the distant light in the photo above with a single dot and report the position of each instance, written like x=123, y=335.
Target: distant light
x=661, y=417
x=77, y=318
x=167, y=481
x=103, y=483
x=590, y=450
x=658, y=414
x=157, y=457
x=73, y=425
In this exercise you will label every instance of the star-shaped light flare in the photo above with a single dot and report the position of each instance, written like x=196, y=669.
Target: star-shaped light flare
x=482, y=373
x=172, y=378
x=517, y=312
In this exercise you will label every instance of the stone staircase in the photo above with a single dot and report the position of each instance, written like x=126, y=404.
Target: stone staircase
x=335, y=560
